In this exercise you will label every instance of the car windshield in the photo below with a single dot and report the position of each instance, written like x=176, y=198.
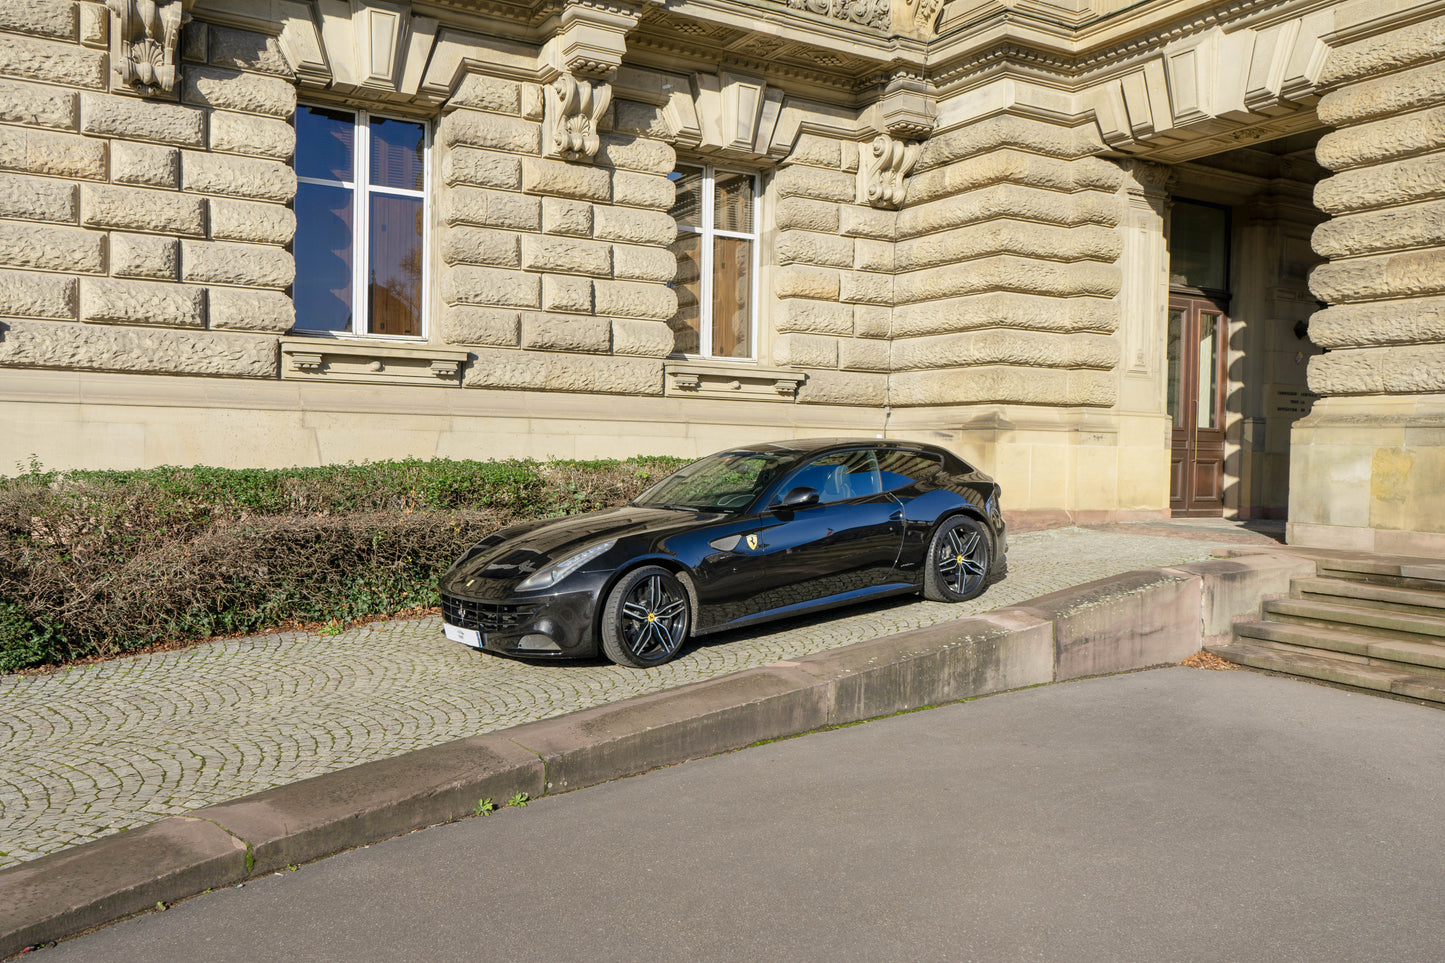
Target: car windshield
x=726, y=482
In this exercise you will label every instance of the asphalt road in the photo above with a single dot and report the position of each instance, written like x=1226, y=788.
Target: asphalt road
x=1175, y=814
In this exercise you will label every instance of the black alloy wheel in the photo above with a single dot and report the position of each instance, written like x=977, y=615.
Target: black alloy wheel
x=958, y=561
x=646, y=618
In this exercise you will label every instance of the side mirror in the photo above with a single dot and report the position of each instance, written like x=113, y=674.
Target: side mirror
x=800, y=497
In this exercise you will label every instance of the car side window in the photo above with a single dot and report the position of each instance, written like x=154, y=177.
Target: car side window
x=840, y=476
x=902, y=468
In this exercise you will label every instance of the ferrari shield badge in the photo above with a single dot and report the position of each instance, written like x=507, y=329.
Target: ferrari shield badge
x=752, y=541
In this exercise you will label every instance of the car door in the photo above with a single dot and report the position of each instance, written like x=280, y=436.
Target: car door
x=781, y=558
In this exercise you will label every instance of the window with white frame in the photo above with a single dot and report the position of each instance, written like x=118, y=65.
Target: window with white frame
x=360, y=223
x=717, y=268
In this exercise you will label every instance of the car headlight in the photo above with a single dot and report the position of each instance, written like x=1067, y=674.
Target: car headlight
x=553, y=574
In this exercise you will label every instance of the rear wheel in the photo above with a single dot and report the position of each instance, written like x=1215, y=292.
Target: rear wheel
x=959, y=557
x=646, y=618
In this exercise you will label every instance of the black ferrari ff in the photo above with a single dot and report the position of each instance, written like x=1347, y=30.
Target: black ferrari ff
x=748, y=534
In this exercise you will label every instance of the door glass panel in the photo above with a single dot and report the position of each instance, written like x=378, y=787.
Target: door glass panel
x=1207, y=414
x=1176, y=371
x=1199, y=246
x=394, y=287
x=322, y=290
x=732, y=273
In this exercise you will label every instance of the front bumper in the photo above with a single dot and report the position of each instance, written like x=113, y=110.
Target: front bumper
x=535, y=627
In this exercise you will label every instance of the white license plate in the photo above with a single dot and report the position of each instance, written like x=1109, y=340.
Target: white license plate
x=465, y=636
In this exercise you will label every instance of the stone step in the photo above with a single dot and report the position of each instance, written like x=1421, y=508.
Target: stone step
x=1326, y=669
x=1413, y=600
x=1404, y=654
x=1316, y=611
x=1404, y=573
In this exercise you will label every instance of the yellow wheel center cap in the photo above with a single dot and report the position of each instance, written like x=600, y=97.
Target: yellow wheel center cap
x=959, y=559
x=652, y=616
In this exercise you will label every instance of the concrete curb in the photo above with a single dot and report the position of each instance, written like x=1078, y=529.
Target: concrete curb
x=1131, y=621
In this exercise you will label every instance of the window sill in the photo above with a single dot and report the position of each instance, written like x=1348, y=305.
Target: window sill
x=370, y=362
x=729, y=380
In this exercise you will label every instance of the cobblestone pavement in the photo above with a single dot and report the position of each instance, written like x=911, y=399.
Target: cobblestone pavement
x=96, y=749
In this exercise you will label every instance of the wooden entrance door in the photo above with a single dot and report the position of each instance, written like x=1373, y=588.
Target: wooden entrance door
x=1198, y=331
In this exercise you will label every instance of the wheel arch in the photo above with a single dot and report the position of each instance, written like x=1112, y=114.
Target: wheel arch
x=673, y=565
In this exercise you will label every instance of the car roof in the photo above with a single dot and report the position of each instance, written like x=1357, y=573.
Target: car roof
x=805, y=446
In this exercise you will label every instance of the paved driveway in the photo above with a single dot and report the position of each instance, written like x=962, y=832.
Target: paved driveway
x=97, y=749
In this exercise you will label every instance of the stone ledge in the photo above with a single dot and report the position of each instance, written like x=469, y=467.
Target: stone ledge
x=370, y=362
x=717, y=379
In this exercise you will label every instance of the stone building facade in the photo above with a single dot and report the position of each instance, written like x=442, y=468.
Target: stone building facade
x=1132, y=258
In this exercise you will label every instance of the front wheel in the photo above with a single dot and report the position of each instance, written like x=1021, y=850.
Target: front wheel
x=958, y=561
x=646, y=618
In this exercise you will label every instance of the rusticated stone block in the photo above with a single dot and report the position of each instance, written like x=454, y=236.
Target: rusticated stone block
x=544, y=371
x=482, y=168
x=634, y=226
x=474, y=245
x=1416, y=225
x=1410, y=274
x=94, y=24
x=490, y=287
x=44, y=18
x=37, y=198
x=806, y=247
x=468, y=325
x=817, y=317
x=113, y=301
x=1014, y=167
x=1382, y=140
x=801, y=281
x=1003, y=385
x=1413, y=179
x=249, y=134
x=501, y=209
x=873, y=255
x=561, y=179
x=38, y=106
x=145, y=256
x=645, y=339
x=239, y=309
x=44, y=344
x=141, y=209
x=1422, y=86
x=51, y=62
x=1005, y=347
x=566, y=255
x=44, y=248
x=1008, y=274
x=1376, y=325
x=857, y=355
x=566, y=332
x=145, y=165
x=1021, y=238
x=633, y=299
x=563, y=293
x=1004, y=310
x=818, y=184
x=643, y=190
x=244, y=177
x=816, y=151
x=49, y=152
x=561, y=216
x=141, y=119
x=805, y=214
x=1004, y=131
x=30, y=294
x=1417, y=43
x=488, y=93
x=1406, y=369
x=844, y=388
x=228, y=47
x=643, y=263
x=473, y=128
x=533, y=102
x=229, y=89
x=252, y=221
x=637, y=154
x=862, y=288
x=805, y=351
x=630, y=117
x=867, y=222
x=249, y=265
x=872, y=321
x=1010, y=201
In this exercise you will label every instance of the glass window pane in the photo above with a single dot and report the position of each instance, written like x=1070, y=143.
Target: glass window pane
x=1209, y=338
x=398, y=154
x=323, y=258
x=687, y=322
x=687, y=205
x=394, y=285
x=733, y=195
x=1199, y=246
x=324, y=141
x=902, y=468
x=1176, y=388
x=732, y=293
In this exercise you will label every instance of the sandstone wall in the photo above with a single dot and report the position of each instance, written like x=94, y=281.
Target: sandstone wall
x=140, y=234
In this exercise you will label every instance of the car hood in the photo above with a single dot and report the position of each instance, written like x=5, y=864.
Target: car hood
x=517, y=554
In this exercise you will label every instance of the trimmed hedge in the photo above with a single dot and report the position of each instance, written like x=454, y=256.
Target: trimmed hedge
x=104, y=562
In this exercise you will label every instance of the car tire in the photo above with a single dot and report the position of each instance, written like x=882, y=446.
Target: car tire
x=959, y=560
x=646, y=618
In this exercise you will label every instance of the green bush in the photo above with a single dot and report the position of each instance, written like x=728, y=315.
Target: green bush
x=103, y=562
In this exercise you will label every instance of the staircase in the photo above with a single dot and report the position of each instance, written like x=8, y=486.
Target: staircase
x=1367, y=622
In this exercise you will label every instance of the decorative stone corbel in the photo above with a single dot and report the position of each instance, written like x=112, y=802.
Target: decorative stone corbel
x=889, y=164
x=573, y=111
x=143, y=39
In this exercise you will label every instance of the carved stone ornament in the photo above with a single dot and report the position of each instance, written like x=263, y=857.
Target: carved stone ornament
x=889, y=164
x=574, y=109
x=144, y=35
x=868, y=13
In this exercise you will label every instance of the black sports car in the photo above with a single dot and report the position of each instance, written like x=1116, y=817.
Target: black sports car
x=744, y=535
